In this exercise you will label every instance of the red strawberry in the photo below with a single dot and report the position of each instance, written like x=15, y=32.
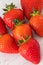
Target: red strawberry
x=22, y=31
x=36, y=22
x=3, y=29
x=12, y=14
x=28, y=6
x=8, y=44
x=30, y=50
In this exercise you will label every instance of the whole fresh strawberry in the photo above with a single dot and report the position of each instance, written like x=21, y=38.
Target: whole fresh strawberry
x=36, y=22
x=21, y=31
x=8, y=44
x=3, y=29
x=29, y=5
x=12, y=14
x=30, y=50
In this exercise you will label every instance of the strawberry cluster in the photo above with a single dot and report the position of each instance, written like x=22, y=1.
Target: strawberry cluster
x=21, y=39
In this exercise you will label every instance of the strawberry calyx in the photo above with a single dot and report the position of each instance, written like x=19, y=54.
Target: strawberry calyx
x=34, y=12
x=9, y=7
x=17, y=22
x=24, y=40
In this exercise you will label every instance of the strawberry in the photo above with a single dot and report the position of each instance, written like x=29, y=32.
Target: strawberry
x=7, y=44
x=12, y=14
x=3, y=29
x=21, y=31
x=36, y=22
x=30, y=50
x=29, y=5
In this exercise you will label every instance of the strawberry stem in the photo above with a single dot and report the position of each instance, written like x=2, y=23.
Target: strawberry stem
x=17, y=22
x=34, y=12
x=24, y=40
x=9, y=7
